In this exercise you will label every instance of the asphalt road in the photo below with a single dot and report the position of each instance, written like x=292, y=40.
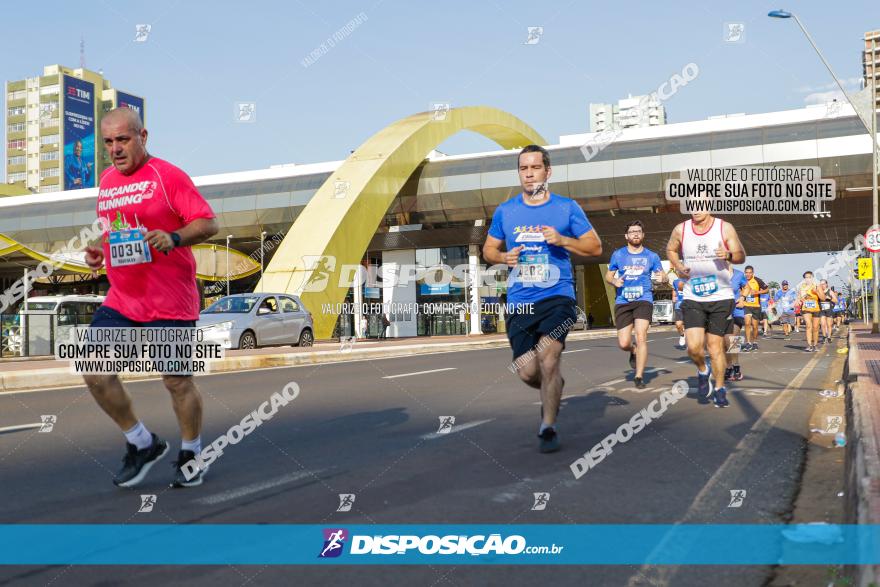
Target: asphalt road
x=370, y=428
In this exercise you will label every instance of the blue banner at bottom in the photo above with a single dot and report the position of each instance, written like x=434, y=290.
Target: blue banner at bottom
x=250, y=544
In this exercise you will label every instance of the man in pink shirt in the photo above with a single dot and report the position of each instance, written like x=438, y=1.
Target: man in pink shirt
x=153, y=288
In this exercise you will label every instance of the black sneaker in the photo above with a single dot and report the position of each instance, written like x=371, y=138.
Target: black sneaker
x=632, y=360
x=549, y=440
x=737, y=374
x=640, y=383
x=137, y=463
x=197, y=475
x=728, y=373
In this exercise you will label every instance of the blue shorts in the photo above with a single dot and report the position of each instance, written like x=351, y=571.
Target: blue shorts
x=106, y=317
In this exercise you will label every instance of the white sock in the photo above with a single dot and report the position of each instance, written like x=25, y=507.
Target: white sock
x=545, y=426
x=139, y=436
x=195, y=445
x=704, y=373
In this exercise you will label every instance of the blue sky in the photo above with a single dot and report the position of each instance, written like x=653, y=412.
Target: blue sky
x=202, y=57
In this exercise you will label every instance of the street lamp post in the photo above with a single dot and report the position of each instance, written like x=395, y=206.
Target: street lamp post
x=262, y=248
x=872, y=130
x=228, y=238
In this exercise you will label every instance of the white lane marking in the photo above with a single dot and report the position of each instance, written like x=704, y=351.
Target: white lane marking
x=420, y=373
x=724, y=478
x=20, y=427
x=455, y=428
x=254, y=488
x=683, y=362
x=612, y=382
x=575, y=351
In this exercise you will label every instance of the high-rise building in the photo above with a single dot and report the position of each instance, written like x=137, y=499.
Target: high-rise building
x=630, y=112
x=871, y=61
x=52, y=126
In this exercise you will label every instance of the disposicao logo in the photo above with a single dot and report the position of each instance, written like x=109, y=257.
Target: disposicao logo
x=334, y=541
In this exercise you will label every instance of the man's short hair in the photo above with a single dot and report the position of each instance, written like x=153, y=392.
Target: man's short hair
x=749, y=267
x=545, y=156
x=634, y=223
x=806, y=273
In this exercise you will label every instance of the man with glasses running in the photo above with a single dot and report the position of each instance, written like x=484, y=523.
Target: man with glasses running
x=632, y=270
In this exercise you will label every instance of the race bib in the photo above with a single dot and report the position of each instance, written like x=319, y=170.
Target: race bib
x=750, y=299
x=810, y=305
x=704, y=286
x=826, y=305
x=127, y=247
x=534, y=268
x=633, y=292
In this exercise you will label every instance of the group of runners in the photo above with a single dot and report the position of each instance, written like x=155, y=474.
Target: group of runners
x=534, y=233
x=718, y=308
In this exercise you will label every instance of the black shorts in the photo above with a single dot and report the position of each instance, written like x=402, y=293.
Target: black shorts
x=626, y=314
x=827, y=313
x=552, y=316
x=714, y=317
x=755, y=313
x=739, y=321
x=677, y=316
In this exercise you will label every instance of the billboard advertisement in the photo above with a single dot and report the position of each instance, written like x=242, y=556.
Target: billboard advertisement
x=79, y=133
x=128, y=101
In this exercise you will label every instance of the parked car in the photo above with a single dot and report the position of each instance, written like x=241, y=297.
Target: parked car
x=664, y=312
x=251, y=320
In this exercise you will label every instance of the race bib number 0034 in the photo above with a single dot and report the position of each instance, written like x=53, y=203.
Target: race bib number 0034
x=127, y=247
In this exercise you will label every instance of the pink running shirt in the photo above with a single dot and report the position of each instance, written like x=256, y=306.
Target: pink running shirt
x=156, y=196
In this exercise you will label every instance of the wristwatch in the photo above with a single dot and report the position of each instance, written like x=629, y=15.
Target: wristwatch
x=175, y=238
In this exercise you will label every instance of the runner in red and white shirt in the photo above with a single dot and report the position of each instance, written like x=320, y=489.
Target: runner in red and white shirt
x=155, y=208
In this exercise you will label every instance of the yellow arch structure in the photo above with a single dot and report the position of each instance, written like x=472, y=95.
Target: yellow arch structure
x=210, y=260
x=336, y=226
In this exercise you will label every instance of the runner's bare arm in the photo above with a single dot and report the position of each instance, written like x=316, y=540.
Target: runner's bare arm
x=197, y=231
x=611, y=277
x=673, y=251
x=731, y=239
x=587, y=245
x=493, y=254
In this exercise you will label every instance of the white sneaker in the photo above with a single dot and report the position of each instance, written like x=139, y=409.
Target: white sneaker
x=681, y=341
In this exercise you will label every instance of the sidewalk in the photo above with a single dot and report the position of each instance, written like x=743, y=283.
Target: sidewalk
x=863, y=436
x=34, y=373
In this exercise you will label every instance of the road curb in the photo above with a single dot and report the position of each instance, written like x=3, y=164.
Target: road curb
x=25, y=380
x=863, y=450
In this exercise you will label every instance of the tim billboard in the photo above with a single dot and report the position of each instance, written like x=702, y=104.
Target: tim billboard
x=129, y=101
x=79, y=133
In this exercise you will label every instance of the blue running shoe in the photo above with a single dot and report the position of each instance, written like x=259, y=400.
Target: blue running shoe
x=721, y=398
x=704, y=387
x=549, y=441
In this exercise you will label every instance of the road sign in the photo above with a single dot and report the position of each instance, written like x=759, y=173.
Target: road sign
x=872, y=240
x=866, y=269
